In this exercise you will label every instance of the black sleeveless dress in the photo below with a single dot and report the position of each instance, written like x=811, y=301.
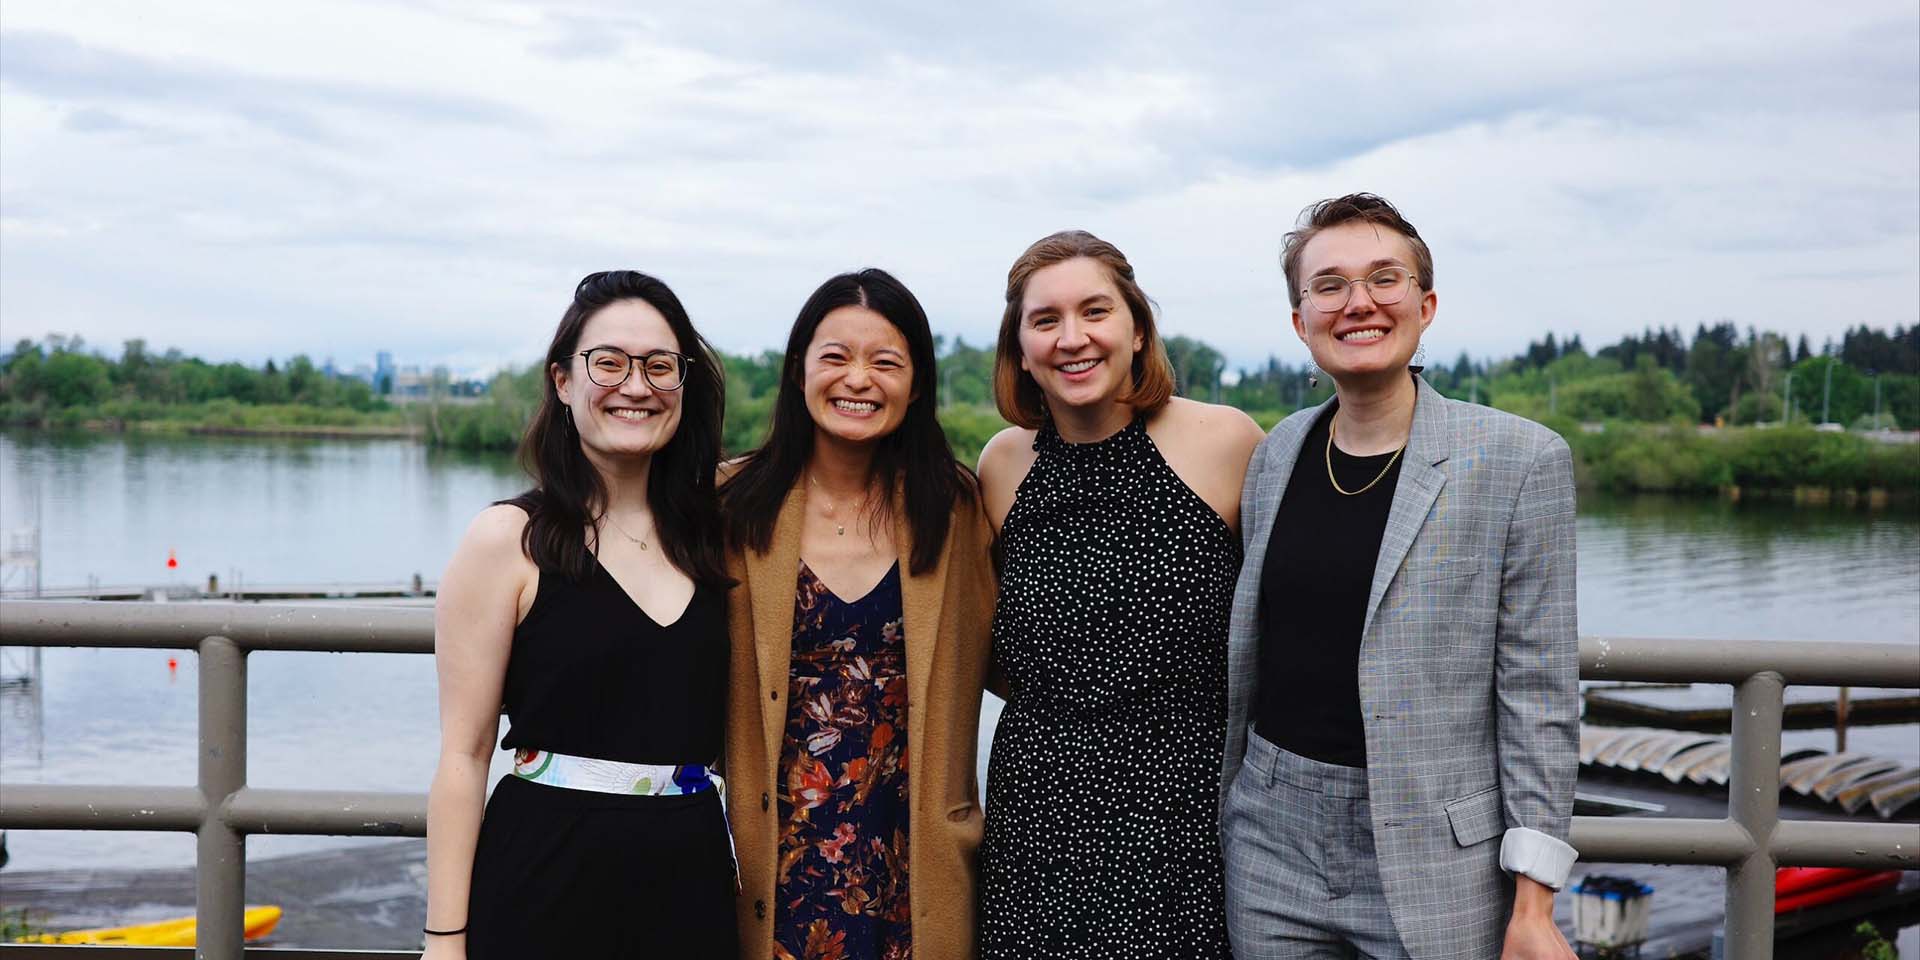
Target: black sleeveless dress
x=1103, y=785
x=561, y=872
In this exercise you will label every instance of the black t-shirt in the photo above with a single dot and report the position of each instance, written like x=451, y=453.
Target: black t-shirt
x=1313, y=601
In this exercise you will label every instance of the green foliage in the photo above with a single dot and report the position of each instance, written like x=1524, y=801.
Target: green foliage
x=1632, y=458
x=1593, y=390
x=60, y=383
x=969, y=427
x=1727, y=374
x=1874, y=946
x=747, y=421
x=16, y=925
x=1196, y=368
x=495, y=422
x=1648, y=391
x=73, y=379
x=1665, y=459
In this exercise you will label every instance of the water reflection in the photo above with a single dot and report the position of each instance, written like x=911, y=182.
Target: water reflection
x=258, y=510
x=1654, y=566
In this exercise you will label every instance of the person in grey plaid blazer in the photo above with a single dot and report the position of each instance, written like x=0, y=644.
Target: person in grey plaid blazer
x=1467, y=658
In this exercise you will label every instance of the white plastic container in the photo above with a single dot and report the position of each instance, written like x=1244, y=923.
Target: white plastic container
x=1611, y=911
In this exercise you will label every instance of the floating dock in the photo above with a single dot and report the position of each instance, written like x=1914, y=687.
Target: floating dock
x=1707, y=708
x=1851, y=781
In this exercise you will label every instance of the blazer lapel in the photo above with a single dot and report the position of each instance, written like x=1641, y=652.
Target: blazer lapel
x=773, y=610
x=1429, y=444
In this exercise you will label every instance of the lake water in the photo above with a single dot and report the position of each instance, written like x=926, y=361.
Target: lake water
x=112, y=509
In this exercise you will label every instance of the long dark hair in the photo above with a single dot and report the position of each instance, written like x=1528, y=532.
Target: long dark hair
x=569, y=495
x=917, y=450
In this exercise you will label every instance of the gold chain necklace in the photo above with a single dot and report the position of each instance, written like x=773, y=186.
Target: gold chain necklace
x=624, y=533
x=838, y=527
x=1383, y=470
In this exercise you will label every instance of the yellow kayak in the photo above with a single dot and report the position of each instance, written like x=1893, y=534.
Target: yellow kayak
x=259, y=921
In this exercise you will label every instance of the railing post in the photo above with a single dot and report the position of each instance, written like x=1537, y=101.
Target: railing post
x=221, y=865
x=1753, y=802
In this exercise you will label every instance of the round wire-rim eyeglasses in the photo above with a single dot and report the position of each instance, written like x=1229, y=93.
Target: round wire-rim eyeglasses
x=611, y=366
x=1385, y=287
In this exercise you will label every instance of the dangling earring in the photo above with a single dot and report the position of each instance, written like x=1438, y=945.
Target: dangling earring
x=1419, y=359
x=567, y=414
x=1313, y=375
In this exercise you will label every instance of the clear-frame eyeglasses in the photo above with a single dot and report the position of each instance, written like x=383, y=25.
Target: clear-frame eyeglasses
x=611, y=366
x=1329, y=292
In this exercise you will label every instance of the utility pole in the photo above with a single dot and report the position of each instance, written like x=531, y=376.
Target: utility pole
x=1786, y=401
x=1826, y=394
x=1876, y=401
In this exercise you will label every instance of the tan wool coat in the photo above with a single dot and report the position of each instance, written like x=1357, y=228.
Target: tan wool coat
x=949, y=612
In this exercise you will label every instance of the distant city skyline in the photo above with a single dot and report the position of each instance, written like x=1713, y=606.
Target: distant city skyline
x=251, y=182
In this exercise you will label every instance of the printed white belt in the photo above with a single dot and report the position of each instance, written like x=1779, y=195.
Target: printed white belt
x=633, y=779
x=613, y=776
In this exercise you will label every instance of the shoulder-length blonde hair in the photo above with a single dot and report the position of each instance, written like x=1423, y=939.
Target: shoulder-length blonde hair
x=1014, y=391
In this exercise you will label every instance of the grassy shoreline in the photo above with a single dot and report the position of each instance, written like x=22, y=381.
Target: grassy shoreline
x=1799, y=463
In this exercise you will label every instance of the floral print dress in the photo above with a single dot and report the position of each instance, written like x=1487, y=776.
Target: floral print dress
x=841, y=890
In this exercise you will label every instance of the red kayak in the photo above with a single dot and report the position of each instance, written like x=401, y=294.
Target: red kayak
x=1796, y=888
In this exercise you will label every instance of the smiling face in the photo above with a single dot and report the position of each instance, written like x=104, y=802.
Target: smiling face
x=1362, y=340
x=632, y=419
x=858, y=378
x=1077, y=337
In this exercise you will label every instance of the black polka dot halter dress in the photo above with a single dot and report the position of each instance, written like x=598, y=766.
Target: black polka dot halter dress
x=1103, y=785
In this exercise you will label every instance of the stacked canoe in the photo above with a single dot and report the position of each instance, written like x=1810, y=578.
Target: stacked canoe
x=1849, y=780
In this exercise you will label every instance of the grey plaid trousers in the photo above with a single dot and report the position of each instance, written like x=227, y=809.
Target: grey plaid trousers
x=1303, y=880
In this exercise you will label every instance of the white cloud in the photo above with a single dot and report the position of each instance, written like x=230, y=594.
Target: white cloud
x=432, y=178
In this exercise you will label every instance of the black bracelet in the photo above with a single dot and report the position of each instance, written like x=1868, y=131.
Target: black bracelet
x=442, y=933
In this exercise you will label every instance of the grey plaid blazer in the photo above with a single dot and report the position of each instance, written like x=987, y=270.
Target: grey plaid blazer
x=1469, y=657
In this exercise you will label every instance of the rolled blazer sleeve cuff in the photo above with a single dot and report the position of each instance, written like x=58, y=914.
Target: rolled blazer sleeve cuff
x=1544, y=858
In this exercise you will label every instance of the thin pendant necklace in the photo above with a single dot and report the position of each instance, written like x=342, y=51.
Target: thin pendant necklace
x=839, y=528
x=1336, y=483
x=624, y=533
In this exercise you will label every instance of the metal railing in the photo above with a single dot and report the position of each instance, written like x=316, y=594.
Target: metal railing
x=1750, y=841
x=222, y=810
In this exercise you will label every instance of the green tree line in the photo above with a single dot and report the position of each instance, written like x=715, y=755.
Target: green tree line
x=58, y=382
x=1628, y=409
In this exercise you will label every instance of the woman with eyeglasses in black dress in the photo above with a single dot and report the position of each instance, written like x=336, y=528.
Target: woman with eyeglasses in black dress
x=593, y=607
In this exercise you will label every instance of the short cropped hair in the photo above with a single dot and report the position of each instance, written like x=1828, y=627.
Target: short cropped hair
x=1014, y=391
x=1354, y=207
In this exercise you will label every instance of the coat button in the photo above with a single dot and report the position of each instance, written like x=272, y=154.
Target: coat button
x=765, y=801
x=773, y=694
x=759, y=909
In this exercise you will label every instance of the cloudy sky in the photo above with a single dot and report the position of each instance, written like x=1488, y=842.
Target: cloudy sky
x=254, y=180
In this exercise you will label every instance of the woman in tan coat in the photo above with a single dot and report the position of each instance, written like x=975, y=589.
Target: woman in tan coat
x=860, y=639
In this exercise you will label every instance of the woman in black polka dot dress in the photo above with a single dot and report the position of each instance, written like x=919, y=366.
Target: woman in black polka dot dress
x=1117, y=506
